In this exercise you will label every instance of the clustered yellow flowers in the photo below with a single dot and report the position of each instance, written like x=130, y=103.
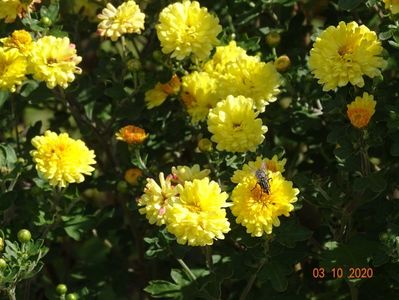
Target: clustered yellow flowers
x=10, y=9
x=186, y=29
x=115, y=22
x=361, y=110
x=344, y=54
x=190, y=205
x=60, y=159
x=49, y=59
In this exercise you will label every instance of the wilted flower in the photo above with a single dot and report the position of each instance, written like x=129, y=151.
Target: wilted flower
x=61, y=159
x=132, y=175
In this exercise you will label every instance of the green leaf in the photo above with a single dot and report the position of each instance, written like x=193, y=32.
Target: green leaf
x=28, y=87
x=290, y=232
x=349, y=4
x=277, y=276
x=162, y=289
x=386, y=35
x=3, y=97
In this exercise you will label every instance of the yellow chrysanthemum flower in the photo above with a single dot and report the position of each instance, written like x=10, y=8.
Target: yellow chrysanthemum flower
x=131, y=134
x=234, y=125
x=19, y=39
x=157, y=95
x=13, y=67
x=392, y=5
x=132, y=175
x=198, y=216
x=344, y=54
x=240, y=74
x=157, y=199
x=185, y=173
x=54, y=61
x=61, y=159
x=361, y=110
x=186, y=29
x=248, y=170
x=258, y=211
x=10, y=9
x=198, y=95
x=126, y=18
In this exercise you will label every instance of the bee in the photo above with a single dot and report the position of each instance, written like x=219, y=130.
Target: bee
x=262, y=179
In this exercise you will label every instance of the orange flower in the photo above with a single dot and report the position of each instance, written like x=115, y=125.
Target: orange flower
x=132, y=175
x=361, y=110
x=172, y=86
x=131, y=134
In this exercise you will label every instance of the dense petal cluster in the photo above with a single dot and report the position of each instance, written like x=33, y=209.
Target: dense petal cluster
x=249, y=169
x=62, y=160
x=344, y=54
x=392, y=5
x=198, y=216
x=185, y=173
x=10, y=9
x=54, y=60
x=361, y=110
x=157, y=199
x=199, y=95
x=186, y=29
x=115, y=22
x=19, y=39
x=259, y=211
x=235, y=126
x=13, y=67
x=131, y=134
x=157, y=95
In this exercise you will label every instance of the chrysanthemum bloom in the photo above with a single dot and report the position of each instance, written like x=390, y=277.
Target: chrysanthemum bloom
x=13, y=67
x=198, y=216
x=234, y=125
x=10, y=9
x=132, y=175
x=131, y=134
x=185, y=173
x=344, y=54
x=186, y=29
x=126, y=18
x=19, y=39
x=258, y=211
x=157, y=95
x=248, y=170
x=224, y=56
x=392, y=5
x=361, y=110
x=157, y=199
x=61, y=159
x=198, y=95
x=54, y=61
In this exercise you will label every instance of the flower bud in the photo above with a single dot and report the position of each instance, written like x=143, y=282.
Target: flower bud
x=205, y=145
x=282, y=63
x=273, y=39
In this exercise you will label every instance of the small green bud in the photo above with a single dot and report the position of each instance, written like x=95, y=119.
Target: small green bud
x=1, y=244
x=205, y=145
x=61, y=289
x=24, y=236
x=71, y=296
x=3, y=264
x=133, y=65
x=46, y=21
x=273, y=39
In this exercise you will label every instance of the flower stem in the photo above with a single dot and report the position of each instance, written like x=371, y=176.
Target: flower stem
x=186, y=269
x=208, y=255
x=11, y=293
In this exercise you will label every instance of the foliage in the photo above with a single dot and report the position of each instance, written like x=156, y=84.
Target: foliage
x=91, y=238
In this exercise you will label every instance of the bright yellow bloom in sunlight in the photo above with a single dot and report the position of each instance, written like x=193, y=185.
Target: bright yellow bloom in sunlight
x=115, y=22
x=19, y=39
x=10, y=9
x=54, y=61
x=198, y=216
x=185, y=173
x=224, y=56
x=361, y=110
x=344, y=54
x=248, y=170
x=157, y=199
x=186, y=29
x=157, y=95
x=60, y=159
x=392, y=5
x=13, y=67
x=234, y=125
x=131, y=134
x=198, y=95
x=132, y=175
x=258, y=211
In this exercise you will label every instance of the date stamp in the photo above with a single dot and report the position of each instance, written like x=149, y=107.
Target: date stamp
x=340, y=272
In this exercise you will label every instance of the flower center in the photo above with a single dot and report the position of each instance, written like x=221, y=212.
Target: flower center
x=344, y=50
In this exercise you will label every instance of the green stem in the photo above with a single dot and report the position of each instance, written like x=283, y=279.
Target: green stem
x=11, y=293
x=186, y=269
x=14, y=114
x=208, y=255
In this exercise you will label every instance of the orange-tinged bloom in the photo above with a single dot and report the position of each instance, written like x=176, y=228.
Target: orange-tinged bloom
x=19, y=39
x=361, y=110
x=172, y=86
x=132, y=134
x=132, y=175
